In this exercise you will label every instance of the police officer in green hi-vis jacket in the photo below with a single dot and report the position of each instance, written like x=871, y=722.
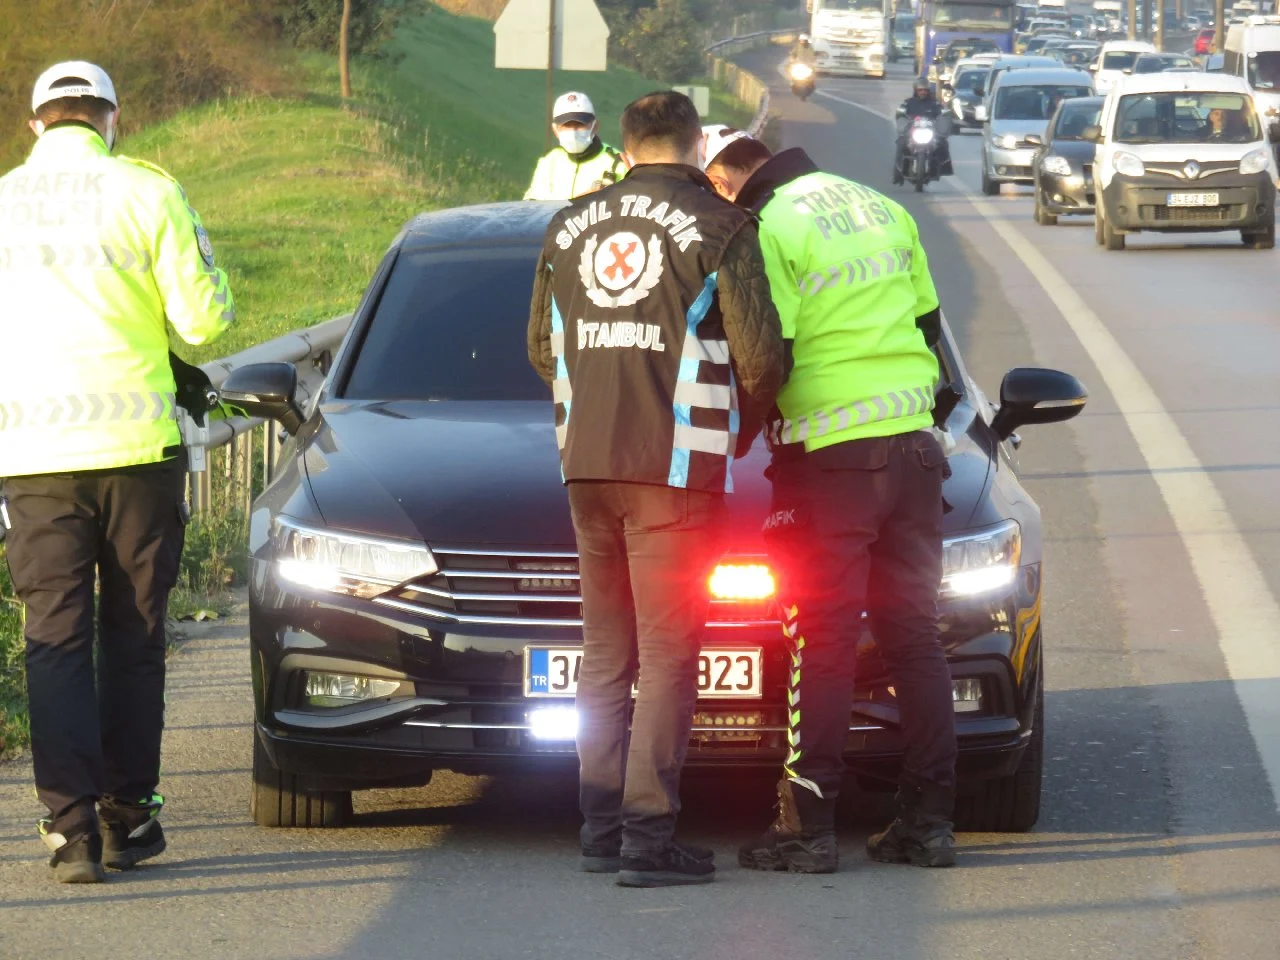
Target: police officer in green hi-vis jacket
x=857, y=471
x=101, y=255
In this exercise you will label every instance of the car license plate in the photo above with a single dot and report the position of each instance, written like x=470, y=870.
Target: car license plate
x=722, y=672
x=1193, y=199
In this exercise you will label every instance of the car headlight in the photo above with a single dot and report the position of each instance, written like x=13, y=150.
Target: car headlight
x=354, y=566
x=1129, y=165
x=1006, y=141
x=1255, y=161
x=982, y=562
x=801, y=71
x=922, y=135
x=1058, y=166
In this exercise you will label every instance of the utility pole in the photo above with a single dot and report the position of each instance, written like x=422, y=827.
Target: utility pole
x=1159, y=41
x=1219, y=26
x=344, y=51
x=551, y=67
x=1132, y=32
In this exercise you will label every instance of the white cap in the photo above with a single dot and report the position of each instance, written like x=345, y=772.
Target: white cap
x=718, y=137
x=92, y=82
x=573, y=106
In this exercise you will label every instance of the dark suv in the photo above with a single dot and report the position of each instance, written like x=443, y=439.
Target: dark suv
x=414, y=596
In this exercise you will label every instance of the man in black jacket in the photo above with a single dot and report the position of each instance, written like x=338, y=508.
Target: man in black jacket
x=921, y=103
x=651, y=312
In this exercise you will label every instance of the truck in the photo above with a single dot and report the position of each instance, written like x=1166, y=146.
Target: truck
x=850, y=37
x=942, y=21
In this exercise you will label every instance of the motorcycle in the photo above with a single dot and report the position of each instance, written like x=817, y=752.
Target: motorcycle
x=804, y=79
x=920, y=162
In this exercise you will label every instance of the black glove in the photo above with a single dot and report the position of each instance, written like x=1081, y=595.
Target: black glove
x=196, y=394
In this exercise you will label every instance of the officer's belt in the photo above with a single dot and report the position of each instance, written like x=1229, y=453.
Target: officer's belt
x=86, y=408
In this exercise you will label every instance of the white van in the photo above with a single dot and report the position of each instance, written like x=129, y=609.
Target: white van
x=1115, y=60
x=1253, y=52
x=1179, y=152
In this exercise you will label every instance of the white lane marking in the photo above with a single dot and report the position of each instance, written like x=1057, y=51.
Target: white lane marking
x=1242, y=606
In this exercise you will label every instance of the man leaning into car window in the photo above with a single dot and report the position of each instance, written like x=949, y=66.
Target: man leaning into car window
x=651, y=309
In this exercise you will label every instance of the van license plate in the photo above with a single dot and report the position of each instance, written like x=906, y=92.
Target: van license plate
x=1193, y=199
x=722, y=672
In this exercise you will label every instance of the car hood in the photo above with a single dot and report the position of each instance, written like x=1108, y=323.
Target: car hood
x=1018, y=128
x=1182, y=152
x=1080, y=151
x=459, y=473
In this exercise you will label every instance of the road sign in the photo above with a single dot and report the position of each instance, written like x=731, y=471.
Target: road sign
x=581, y=36
x=701, y=97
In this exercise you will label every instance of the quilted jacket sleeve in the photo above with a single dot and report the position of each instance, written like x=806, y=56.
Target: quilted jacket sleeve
x=540, y=355
x=751, y=321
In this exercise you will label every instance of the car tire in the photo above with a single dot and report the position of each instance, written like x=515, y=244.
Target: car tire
x=1261, y=240
x=989, y=187
x=1009, y=804
x=276, y=800
x=1043, y=217
x=1111, y=239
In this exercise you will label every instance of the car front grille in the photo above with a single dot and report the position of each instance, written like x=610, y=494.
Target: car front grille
x=1157, y=213
x=533, y=587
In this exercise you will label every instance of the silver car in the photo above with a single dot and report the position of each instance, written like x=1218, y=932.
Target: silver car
x=1015, y=121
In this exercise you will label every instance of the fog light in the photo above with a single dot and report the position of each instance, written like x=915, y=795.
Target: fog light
x=1057, y=198
x=340, y=690
x=553, y=723
x=967, y=695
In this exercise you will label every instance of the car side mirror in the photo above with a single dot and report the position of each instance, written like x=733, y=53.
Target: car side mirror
x=1030, y=395
x=980, y=113
x=265, y=390
x=1128, y=71
x=1034, y=138
x=1093, y=68
x=1092, y=133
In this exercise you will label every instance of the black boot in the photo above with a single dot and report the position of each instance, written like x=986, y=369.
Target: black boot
x=801, y=839
x=132, y=832
x=77, y=856
x=922, y=833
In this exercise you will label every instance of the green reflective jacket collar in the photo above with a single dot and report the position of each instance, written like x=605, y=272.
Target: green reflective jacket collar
x=777, y=172
x=70, y=137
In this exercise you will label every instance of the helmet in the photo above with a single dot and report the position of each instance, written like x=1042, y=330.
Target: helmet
x=804, y=40
x=921, y=84
x=74, y=78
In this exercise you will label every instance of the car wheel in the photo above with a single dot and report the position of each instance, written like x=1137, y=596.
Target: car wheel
x=989, y=187
x=1262, y=240
x=1010, y=804
x=277, y=801
x=1110, y=238
x=1043, y=217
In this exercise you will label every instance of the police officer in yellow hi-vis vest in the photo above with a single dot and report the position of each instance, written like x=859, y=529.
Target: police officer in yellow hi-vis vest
x=582, y=163
x=857, y=471
x=98, y=253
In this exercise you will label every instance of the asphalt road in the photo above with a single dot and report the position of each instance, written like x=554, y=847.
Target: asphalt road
x=1160, y=837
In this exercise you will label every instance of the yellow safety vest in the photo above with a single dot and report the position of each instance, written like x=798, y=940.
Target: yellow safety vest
x=561, y=176
x=96, y=253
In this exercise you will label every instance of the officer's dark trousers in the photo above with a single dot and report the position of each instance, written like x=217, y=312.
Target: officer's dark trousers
x=125, y=528
x=646, y=553
x=858, y=527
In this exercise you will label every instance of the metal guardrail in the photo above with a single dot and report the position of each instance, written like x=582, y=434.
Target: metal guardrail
x=743, y=84
x=231, y=448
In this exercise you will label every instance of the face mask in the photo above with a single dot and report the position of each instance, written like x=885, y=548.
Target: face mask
x=576, y=141
x=39, y=128
x=110, y=138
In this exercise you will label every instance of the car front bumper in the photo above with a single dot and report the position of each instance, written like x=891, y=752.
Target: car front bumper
x=1141, y=203
x=467, y=711
x=1010, y=166
x=1067, y=195
x=839, y=59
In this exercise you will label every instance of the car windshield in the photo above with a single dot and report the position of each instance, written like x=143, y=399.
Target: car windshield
x=1074, y=58
x=958, y=51
x=1033, y=102
x=1186, y=118
x=973, y=15
x=1119, y=59
x=1151, y=64
x=1074, y=119
x=970, y=79
x=859, y=5
x=904, y=27
x=450, y=326
x=1264, y=70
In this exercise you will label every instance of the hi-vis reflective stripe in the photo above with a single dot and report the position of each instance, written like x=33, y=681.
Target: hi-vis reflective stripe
x=561, y=391
x=709, y=395
x=883, y=264
x=64, y=256
x=890, y=406
x=87, y=408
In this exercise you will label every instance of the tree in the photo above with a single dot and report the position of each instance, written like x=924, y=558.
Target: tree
x=344, y=50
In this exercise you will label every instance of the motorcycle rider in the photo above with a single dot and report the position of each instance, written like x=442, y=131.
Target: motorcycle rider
x=802, y=80
x=921, y=103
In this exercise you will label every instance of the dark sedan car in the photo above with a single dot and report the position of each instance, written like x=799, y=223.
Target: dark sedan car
x=1163, y=63
x=414, y=585
x=1063, y=164
x=967, y=88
